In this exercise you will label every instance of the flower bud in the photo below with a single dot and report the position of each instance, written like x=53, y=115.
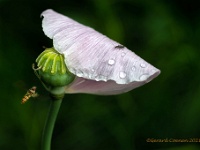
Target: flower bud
x=52, y=69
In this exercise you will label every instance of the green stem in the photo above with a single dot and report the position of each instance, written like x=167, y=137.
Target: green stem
x=49, y=125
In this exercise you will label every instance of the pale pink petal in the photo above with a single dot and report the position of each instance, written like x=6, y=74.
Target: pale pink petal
x=95, y=57
x=81, y=85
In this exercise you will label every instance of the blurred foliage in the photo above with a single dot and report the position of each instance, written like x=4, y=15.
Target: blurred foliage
x=165, y=33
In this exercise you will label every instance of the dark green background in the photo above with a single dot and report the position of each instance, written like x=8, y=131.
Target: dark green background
x=163, y=32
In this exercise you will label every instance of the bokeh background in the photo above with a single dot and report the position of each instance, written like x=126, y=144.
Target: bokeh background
x=163, y=32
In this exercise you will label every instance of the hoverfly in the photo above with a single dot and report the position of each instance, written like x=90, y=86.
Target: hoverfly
x=30, y=93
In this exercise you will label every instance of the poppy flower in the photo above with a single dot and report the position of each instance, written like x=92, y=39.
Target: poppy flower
x=100, y=65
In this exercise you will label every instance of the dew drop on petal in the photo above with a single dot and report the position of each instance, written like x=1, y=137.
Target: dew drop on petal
x=90, y=76
x=100, y=78
x=142, y=65
x=103, y=78
x=111, y=61
x=133, y=68
x=123, y=54
x=144, y=77
x=122, y=74
x=97, y=79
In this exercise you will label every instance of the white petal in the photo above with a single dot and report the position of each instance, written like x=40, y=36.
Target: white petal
x=93, y=56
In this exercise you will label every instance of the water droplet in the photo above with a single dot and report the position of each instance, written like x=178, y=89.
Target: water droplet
x=111, y=61
x=123, y=54
x=144, y=77
x=143, y=65
x=100, y=78
x=90, y=76
x=103, y=78
x=122, y=74
x=97, y=79
x=133, y=68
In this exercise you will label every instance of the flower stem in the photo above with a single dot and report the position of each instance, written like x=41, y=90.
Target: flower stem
x=50, y=122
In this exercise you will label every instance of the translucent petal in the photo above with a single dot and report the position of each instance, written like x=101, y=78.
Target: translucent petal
x=94, y=57
x=82, y=85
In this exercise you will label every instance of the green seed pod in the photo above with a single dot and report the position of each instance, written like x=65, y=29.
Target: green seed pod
x=52, y=69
